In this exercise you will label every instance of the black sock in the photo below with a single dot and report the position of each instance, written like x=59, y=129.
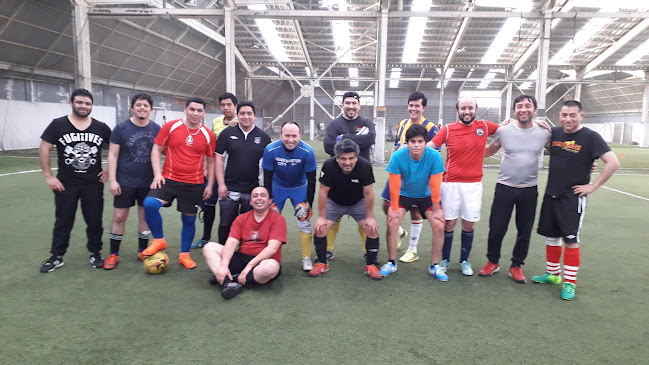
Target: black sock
x=209, y=212
x=320, y=244
x=372, y=250
x=142, y=241
x=115, y=241
x=250, y=278
x=393, y=262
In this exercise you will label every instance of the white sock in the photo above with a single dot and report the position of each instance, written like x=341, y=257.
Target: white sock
x=415, y=231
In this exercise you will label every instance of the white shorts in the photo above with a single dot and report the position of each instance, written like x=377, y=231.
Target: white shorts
x=462, y=197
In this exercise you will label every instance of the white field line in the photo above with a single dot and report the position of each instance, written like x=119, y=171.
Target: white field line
x=625, y=193
x=39, y=170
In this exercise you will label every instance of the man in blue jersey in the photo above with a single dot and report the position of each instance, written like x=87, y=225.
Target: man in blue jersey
x=289, y=173
x=415, y=178
x=416, y=106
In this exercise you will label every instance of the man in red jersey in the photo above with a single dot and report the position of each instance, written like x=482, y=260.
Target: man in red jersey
x=188, y=143
x=465, y=141
x=259, y=235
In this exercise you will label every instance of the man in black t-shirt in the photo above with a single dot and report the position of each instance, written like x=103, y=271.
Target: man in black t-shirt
x=244, y=145
x=573, y=149
x=79, y=140
x=346, y=189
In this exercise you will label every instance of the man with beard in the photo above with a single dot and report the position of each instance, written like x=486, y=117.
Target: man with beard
x=188, y=145
x=129, y=165
x=78, y=139
x=465, y=142
x=228, y=104
x=522, y=142
x=350, y=125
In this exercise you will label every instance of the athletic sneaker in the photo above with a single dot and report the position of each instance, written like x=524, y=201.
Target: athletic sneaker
x=231, y=288
x=319, y=269
x=489, y=269
x=306, y=264
x=547, y=278
x=445, y=264
x=186, y=261
x=51, y=264
x=198, y=244
x=373, y=272
x=111, y=262
x=157, y=245
x=465, y=267
x=388, y=268
x=212, y=280
x=330, y=255
x=96, y=260
x=516, y=273
x=402, y=234
x=568, y=291
x=438, y=272
x=409, y=256
x=376, y=260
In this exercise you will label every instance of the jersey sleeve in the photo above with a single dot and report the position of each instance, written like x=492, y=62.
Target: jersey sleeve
x=368, y=175
x=438, y=163
x=49, y=134
x=393, y=165
x=440, y=136
x=222, y=143
x=267, y=160
x=107, y=134
x=116, y=136
x=497, y=136
x=432, y=132
x=211, y=147
x=311, y=164
x=492, y=127
x=325, y=174
x=599, y=145
x=278, y=230
x=163, y=136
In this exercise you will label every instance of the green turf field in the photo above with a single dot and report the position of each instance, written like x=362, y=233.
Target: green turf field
x=80, y=315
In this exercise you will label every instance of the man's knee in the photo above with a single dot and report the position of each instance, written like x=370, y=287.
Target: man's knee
x=266, y=270
x=467, y=226
x=120, y=215
x=211, y=249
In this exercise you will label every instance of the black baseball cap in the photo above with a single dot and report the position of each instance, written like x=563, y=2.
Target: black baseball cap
x=351, y=94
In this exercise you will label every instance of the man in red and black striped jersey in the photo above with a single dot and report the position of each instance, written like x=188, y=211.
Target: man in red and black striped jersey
x=187, y=143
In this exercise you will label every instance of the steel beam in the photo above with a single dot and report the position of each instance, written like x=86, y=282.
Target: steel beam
x=379, y=142
x=81, y=40
x=543, y=59
x=230, y=60
x=617, y=45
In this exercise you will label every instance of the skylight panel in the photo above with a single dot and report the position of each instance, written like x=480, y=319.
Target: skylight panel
x=271, y=36
x=353, y=76
x=635, y=55
x=487, y=79
x=395, y=74
x=415, y=33
x=508, y=31
x=532, y=77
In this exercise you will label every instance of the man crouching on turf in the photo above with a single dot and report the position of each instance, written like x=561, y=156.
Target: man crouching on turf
x=259, y=235
x=415, y=178
x=346, y=189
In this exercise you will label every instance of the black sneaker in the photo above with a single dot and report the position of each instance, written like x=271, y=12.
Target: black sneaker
x=52, y=264
x=231, y=288
x=213, y=280
x=96, y=260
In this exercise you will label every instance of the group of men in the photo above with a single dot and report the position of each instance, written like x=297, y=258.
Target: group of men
x=236, y=165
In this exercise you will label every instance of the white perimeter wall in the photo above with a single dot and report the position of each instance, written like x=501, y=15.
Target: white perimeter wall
x=639, y=132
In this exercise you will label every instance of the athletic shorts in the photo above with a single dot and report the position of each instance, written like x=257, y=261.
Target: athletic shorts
x=356, y=211
x=562, y=216
x=130, y=196
x=230, y=207
x=423, y=204
x=297, y=196
x=239, y=261
x=465, y=198
x=189, y=195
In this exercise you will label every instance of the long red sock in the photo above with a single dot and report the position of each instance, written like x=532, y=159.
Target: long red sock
x=571, y=261
x=553, y=263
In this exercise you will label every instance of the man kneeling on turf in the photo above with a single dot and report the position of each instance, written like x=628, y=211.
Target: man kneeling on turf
x=259, y=235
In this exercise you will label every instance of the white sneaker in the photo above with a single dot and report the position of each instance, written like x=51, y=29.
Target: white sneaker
x=465, y=267
x=306, y=264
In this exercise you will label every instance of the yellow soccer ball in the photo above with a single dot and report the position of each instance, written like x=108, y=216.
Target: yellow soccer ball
x=156, y=264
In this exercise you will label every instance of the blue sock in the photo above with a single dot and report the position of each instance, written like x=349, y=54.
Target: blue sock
x=467, y=244
x=188, y=231
x=448, y=244
x=152, y=216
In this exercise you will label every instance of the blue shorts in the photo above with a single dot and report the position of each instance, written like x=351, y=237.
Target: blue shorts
x=297, y=196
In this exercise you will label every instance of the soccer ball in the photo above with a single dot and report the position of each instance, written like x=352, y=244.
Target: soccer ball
x=156, y=263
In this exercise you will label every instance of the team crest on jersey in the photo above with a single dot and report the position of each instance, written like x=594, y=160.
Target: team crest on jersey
x=257, y=140
x=479, y=132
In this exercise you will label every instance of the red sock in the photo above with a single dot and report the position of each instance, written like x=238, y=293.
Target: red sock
x=571, y=262
x=553, y=263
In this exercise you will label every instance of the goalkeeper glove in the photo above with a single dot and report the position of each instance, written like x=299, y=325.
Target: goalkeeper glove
x=363, y=131
x=274, y=207
x=303, y=211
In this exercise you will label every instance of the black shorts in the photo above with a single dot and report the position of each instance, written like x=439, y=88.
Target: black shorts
x=130, y=196
x=562, y=216
x=239, y=261
x=423, y=204
x=189, y=195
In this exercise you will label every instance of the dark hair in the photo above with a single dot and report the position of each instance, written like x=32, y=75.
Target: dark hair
x=246, y=103
x=524, y=97
x=285, y=123
x=228, y=96
x=196, y=100
x=572, y=103
x=416, y=130
x=351, y=94
x=416, y=96
x=345, y=146
x=457, y=105
x=141, y=96
x=81, y=92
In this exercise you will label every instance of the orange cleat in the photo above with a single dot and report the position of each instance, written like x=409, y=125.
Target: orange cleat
x=186, y=261
x=489, y=269
x=140, y=256
x=157, y=245
x=373, y=272
x=319, y=269
x=111, y=262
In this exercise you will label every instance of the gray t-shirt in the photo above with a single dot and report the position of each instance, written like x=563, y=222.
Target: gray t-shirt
x=522, y=151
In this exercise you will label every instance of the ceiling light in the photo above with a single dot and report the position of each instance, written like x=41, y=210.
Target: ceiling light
x=190, y=2
x=395, y=74
x=415, y=32
x=271, y=36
